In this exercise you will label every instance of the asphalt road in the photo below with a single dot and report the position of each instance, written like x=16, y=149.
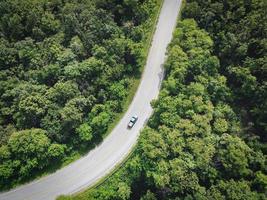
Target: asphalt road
x=118, y=144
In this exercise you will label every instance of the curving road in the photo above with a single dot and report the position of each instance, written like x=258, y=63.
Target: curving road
x=100, y=161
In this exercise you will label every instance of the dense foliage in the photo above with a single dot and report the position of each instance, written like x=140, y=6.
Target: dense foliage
x=192, y=147
x=239, y=31
x=65, y=68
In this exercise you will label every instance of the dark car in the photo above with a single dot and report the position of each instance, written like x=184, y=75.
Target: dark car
x=132, y=121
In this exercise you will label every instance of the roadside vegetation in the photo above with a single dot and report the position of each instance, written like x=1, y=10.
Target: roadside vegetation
x=207, y=137
x=65, y=69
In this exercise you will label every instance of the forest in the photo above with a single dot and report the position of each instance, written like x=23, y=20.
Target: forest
x=207, y=136
x=239, y=32
x=65, y=69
